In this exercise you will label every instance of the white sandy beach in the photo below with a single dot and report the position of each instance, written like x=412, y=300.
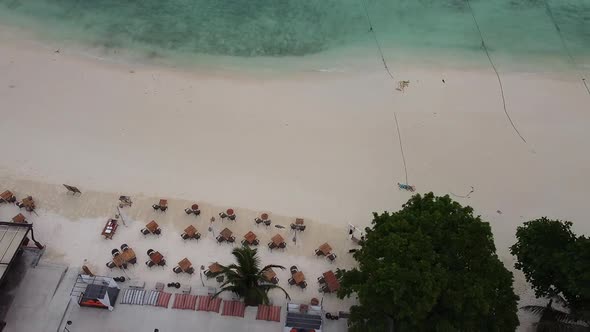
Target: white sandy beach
x=317, y=145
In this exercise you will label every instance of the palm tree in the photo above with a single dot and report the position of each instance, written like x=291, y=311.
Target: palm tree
x=553, y=319
x=246, y=278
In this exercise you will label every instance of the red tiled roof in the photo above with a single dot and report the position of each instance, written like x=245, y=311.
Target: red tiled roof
x=184, y=301
x=233, y=308
x=268, y=312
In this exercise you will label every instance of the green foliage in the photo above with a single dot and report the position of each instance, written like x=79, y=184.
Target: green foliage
x=555, y=261
x=552, y=319
x=431, y=266
x=246, y=278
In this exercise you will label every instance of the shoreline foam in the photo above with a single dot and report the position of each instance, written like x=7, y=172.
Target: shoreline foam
x=353, y=59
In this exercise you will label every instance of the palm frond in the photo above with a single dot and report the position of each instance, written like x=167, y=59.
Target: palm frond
x=535, y=309
x=247, y=259
x=269, y=266
x=564, y=317
x=232, y=289
x=246, y=279
x=559, y=300
x=549, y=326
x=548, y=314
x=267, y=287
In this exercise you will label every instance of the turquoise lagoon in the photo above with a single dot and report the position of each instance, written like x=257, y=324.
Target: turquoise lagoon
x=235, y=30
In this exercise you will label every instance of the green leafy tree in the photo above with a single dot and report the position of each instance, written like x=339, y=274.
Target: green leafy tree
x=246, y=278
x=432, y=266
x=555, y=262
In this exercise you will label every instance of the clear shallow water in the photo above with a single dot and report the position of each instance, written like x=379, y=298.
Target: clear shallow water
x=271, y=28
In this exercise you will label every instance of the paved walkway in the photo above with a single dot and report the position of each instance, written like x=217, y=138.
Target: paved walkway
x=39, y=301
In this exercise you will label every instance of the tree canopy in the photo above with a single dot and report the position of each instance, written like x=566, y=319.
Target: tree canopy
x=432, y=266
x=246, y=279
x=555, y=262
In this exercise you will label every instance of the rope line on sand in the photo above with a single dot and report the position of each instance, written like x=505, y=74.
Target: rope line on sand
x=483, y=44
x=564, y=44
x=465, y=196
x=376, y=40
x=401, y=146
x=399, y=134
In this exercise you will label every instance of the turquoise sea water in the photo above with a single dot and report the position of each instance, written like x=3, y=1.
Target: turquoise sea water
x=279, y=28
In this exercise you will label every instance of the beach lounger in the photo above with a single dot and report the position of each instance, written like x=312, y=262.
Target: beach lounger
x=208, y=303
x=133, y=296
x=110, y=228
x=158, y=299
x=152, y=298
x=72, y=189
x=184, y=302
x=233, y=308
x=125, y=201
x=269, y=313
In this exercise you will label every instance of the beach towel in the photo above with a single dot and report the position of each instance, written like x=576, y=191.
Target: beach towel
x=184, y=301
x=162, y=299
x=233, y=308
x=152, y=298
x=208, y=303
x=133, y=296
x=214, y=305
x=268, y=312
x=203, y=303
